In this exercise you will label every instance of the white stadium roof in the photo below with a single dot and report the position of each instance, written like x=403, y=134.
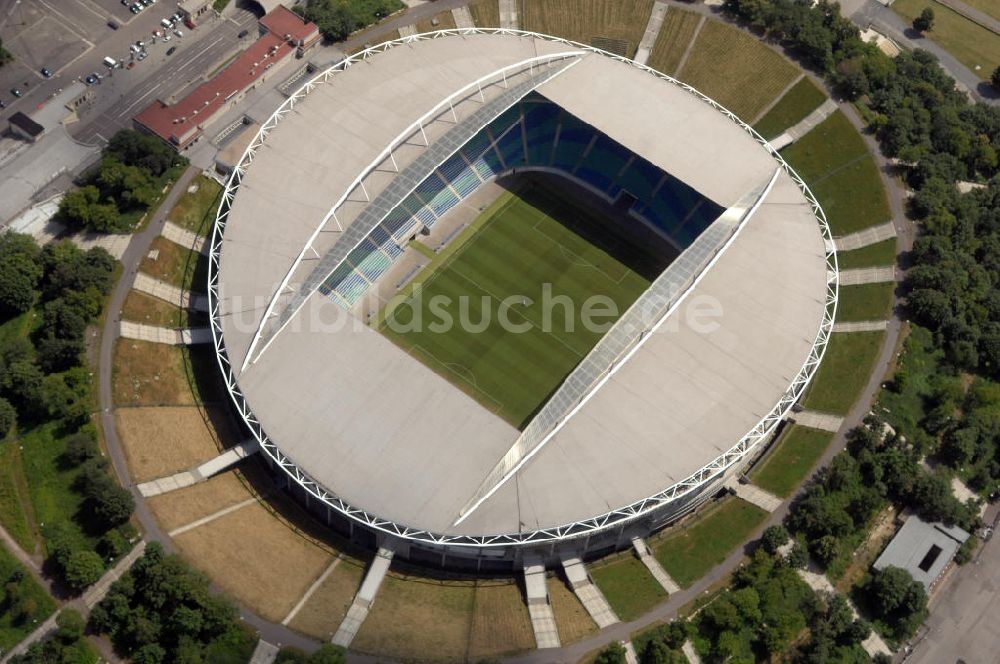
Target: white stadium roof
x=380, y=432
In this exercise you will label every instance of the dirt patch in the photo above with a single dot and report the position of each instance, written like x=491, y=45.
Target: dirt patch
x=256, y=558
x=419, y=618
x=322, y=614
x=163, y=441
x=572, y=620
x=183, y=506
x=501, y=625
x=881, y=531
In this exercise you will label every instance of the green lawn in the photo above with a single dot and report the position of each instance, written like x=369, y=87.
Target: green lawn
x=922, y=363
x=20, y=618
x=865, y=302
x=849, y=359
x=50, y=483
x=15, y=503
x=503, y=264
x=628, y=586
x=791, y=460
x=804, y=98
x=974, y=46
x=195, y=211
x=689, y=553
x=874, y=255
x=991, y=7
x=834, y=161
x=675, y=35
x=736, y=70
x=177, y=265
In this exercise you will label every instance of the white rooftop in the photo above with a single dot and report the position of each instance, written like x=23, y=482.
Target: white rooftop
x=387, y=434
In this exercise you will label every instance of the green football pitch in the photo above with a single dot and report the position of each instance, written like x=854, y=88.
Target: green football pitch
x=520, y=248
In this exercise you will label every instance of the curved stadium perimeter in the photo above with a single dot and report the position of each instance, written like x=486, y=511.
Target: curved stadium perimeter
x=496, y=163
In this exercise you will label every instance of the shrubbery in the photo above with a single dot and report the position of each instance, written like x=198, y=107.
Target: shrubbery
x=337, y=19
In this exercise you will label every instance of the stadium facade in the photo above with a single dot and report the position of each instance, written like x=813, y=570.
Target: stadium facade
x=651, y=422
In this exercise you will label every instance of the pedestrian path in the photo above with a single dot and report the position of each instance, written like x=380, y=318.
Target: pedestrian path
x=816, y=420
x=654, y=566
x=162, y=335
x=818, y=582
x=364, y=599
x=867, y=275
x=407, y=30
x=588, y=593
x=631, y=657
x=543, y=622
x=652, y=31
x=169, y=293
x=861, y=326
x=198, y=523
x=312, y=590
x=754, y=495
x=185, y=238
x=866, y=237
x=463, y=17
x=692, y=655
x=508, y=14
x=806, y=125
x=200, y=473
x=264, y=653
x=96, y=592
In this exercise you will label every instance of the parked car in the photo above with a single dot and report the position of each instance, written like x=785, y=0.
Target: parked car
x=166, y=38
x=16, y=92
x=178, y=33
x=177, y=16
x=243, y=33
x=90, y=80
x=135, y=8
x=130, y=65
x=46, y=72
x=113, y=24
x=3, y=104
x=142, y=55
x=97, y=75
x=171, y=50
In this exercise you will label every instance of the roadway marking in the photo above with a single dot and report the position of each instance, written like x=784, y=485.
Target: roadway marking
x=65, y=21
x=103, y=17
x=128, y=108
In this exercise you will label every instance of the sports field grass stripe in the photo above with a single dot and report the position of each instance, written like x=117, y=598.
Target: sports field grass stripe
x=506, y=256
x=865, y=302
x=876, y=255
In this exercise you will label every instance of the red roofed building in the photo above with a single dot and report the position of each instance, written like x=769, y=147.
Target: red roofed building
x=285, y=36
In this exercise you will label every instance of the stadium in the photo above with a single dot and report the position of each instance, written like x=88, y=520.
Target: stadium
x=444, y=175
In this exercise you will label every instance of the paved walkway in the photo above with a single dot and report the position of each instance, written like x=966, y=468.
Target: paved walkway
x=364, y=599
x=186, y=478
x=631, y=657
x=508, y=14
x=805, y=126
x=690, y=652
x=463, y=17
x=818, y=582
x=654, y=566
x=652, y=30
x=543, y=622
x=169, y=293
x=754, y=495
x=861, y=326
x=407, y=30
x=866, y=237
x=197, y=523
x=774, y=102
x=867, y=275
x=186, y=238
x=690, y=46
x=817, y=420
x=588, y=593
x=161, y=335
x=264, y=653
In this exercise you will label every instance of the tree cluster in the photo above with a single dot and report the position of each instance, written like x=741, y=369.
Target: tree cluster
x=337, y=19
x=896, y=601
x=663, y=645
x=127, y=181
x=846, y=495
x=163, y=611
x=327, y=654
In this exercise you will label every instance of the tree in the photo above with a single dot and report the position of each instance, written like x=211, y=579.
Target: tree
x=613, y=654
x=995, y=78
x=19, y=273
x=83, y=568
x=773, y=538
x=8, y=418
x=71, y=625
x=924, y=22
x=898, y=600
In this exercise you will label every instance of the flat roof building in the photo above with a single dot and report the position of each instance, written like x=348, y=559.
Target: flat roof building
x=923, y=549
x=24, y=127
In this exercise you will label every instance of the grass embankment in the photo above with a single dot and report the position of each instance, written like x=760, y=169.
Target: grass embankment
x=690, y=551
x=835, y=162
x=973, y=45
x=614, y=25
x=846, y=367
x=736, y=70
x=795, y=106
x=790, y=461
x=627, y=585
x=875, y=255
x=678, y=29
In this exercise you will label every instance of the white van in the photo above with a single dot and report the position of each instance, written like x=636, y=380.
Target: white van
x=110, y=63
x=166, y=23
